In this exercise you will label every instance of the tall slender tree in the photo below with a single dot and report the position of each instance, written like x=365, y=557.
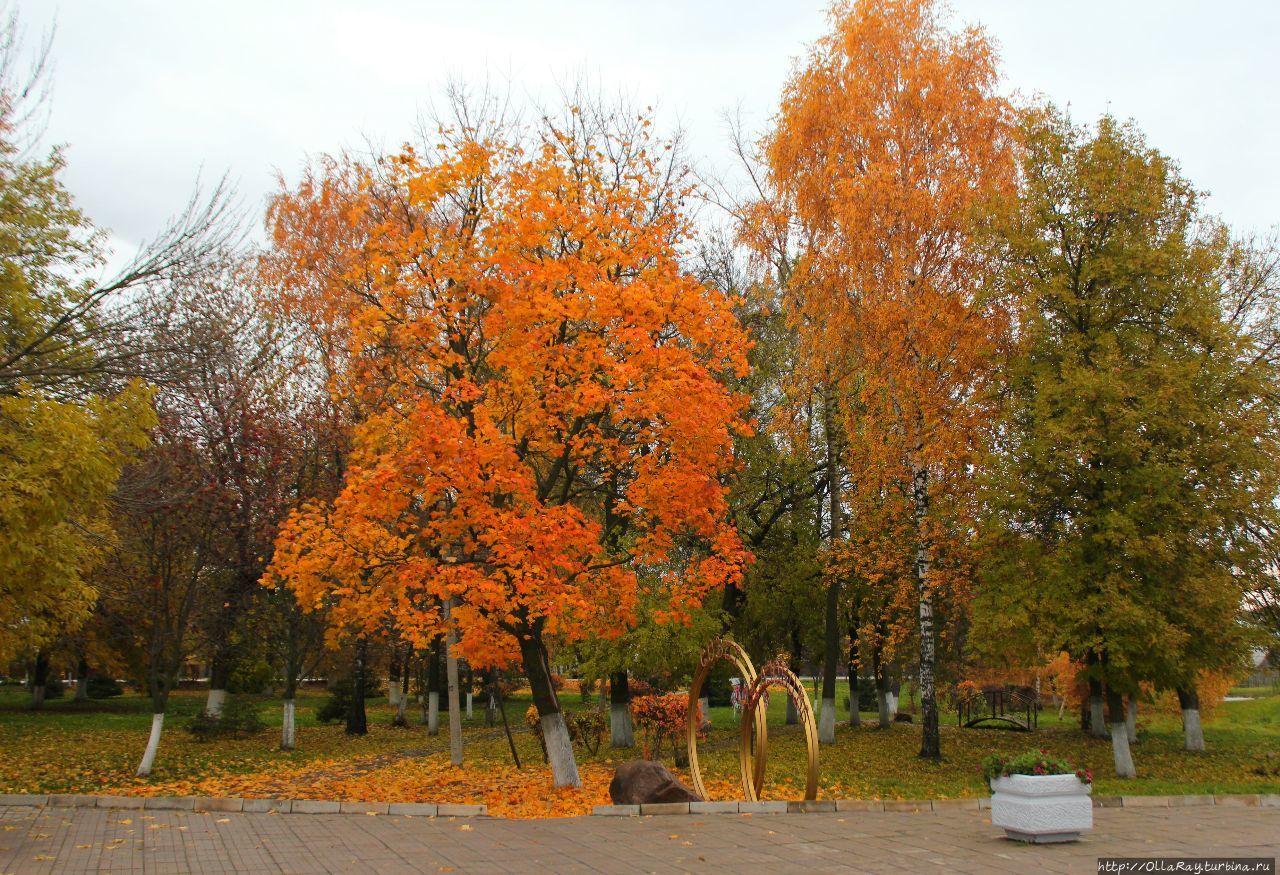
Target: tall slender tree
x=889, y=135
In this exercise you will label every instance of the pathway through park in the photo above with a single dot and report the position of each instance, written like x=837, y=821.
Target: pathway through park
x=75, y=840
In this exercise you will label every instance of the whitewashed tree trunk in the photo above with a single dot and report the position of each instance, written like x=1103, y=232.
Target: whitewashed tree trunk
x=564, y=768
x=451, y=675
x=1131, y=719
x=288, y=727
x=620, y=730
x=153, y=745
x=37, y=696
x=82, y=689
x=402, y=703
x=394, y=696
x=892, y=699
x=705, y=704
x=217, y=698
x=469, y=696
x=793, y=716
x=433, y=713
x=827, y=722
x=1120, y=738
x=1192, y=734
x=882, y=698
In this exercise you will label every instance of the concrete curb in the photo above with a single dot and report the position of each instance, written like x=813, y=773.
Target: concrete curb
x=917, y=806
x=248, y=806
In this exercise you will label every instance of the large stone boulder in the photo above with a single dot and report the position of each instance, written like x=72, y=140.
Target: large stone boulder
x=640, y=782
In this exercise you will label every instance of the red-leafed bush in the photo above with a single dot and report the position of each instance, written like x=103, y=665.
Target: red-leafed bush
x=662, y=717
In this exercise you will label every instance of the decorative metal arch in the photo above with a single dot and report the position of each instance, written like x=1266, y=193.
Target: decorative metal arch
x=753, y=719
x=777, y=674
x=716, y=650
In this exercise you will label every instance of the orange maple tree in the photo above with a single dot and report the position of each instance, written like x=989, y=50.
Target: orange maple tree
x=889, y=138
x=543, y=387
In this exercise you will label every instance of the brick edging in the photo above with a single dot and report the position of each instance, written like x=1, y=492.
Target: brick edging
x=915, y=806
x=239, y=804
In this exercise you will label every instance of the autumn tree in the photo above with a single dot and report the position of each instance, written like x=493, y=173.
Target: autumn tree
x=547, y=414
x=1139, y=459
x=889, y=135
x=73, y=407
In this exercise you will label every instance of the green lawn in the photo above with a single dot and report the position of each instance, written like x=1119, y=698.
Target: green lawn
x=94, y=747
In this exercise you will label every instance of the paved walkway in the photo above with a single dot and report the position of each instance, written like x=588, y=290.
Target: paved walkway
x=66, y=840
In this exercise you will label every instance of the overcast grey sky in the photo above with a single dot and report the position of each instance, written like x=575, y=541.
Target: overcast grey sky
x=148, y=93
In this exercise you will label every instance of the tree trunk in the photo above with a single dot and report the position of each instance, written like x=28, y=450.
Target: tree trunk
x=1192, y=734
x=882, y=687
x=39, y=679
x=213, y=705
x=82, y=680
x=931, y=740
x=219, y=666
x=153, y=745
x=533, y=653
x=288, y=728
x=451, y=673
x=620, y=711
x=1097, y=724
x=159, y=702
x=1131, y=719
x=830, y=656
x=793, y=715
x=831, y=637
x=393, y=687
x=1120, y=736
x=433, y=689
x=357, y=720
x=855, y=716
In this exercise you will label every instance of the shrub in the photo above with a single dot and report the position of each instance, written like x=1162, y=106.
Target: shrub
x=239, y=717
x=663, y=717
x=101, y=686
x=586, y=728
x=1033, y=762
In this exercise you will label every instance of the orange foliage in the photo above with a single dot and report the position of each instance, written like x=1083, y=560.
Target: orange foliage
x=540, y=387
x=890, y=137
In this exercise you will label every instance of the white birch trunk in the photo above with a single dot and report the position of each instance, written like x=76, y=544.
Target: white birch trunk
x=620, y=725
x=217, y=698
x=451, y=675
x=1192, y=734
x=288, y=727
x=433, y=713
x=564, y=768
x=826, y=722
x=153, y=745
x=1120, y=750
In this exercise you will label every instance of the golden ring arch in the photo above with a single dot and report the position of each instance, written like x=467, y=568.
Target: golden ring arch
x=716, y=650
x=774, y=674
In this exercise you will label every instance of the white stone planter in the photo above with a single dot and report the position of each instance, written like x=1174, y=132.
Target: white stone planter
x=1041, y=808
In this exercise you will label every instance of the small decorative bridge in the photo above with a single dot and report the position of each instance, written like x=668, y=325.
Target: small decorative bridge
x=995, y=706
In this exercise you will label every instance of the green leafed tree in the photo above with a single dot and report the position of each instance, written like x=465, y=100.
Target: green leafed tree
x=1139, y=450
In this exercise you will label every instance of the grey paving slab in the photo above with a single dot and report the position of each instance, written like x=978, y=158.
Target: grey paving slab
x=76, y=840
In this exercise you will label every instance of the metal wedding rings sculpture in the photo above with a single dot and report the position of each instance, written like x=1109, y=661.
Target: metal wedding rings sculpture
x=754, y=719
